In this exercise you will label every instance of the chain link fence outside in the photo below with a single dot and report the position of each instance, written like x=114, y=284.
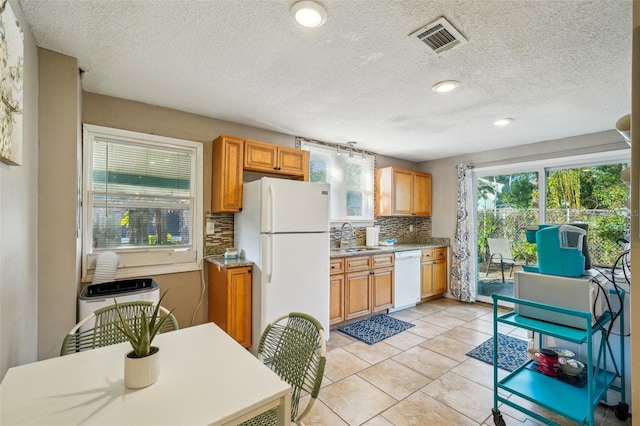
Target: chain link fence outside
x=606, y=227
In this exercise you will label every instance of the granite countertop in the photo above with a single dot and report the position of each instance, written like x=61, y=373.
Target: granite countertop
x=220, y=261
x=335, y=253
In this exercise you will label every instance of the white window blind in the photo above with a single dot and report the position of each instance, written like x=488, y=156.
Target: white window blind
x=142, y=199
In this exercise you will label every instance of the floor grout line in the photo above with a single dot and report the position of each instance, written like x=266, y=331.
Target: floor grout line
x=480, y=313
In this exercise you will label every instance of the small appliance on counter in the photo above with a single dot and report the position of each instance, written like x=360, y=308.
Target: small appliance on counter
x=231, y=253
x=372, y=236
x=560, y=250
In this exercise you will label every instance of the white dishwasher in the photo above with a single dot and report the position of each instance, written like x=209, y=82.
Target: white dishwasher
x=406, y=281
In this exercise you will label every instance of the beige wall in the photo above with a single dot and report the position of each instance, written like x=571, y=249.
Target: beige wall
x=635, y=207
x=19, y=226
x=58, y=260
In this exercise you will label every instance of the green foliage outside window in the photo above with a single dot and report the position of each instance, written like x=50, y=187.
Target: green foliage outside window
x=594, y=195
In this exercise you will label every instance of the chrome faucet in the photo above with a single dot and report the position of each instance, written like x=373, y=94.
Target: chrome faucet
x=342, y=232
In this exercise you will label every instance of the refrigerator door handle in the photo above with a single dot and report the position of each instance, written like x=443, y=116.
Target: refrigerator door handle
x=272, y=213
x=270, y=261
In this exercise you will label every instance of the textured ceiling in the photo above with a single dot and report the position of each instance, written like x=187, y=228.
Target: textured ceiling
x=559, y=68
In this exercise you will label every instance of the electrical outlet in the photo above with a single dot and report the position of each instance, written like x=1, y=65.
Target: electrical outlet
x=210, y=228
x=410, y=228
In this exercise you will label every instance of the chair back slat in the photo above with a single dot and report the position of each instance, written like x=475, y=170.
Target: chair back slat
x=105, y=332
x=294, y=348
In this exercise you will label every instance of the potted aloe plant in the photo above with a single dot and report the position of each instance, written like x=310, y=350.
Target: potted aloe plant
x=142, y=364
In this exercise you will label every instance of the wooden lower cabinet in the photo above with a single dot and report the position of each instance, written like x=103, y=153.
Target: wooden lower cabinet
x=336, y=291
x=433, y=272
x=365, y=287
x=439, y=276
x=382, y=289
x=357, y=294
x=426, y=278
x=230, y=301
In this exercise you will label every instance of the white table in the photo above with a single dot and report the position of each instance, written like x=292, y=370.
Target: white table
x=206, y=378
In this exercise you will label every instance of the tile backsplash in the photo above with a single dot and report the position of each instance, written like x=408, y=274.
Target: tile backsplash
x=390, y=227
x=222, y=238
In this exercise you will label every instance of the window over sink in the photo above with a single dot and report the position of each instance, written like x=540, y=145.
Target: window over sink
x=351, y=178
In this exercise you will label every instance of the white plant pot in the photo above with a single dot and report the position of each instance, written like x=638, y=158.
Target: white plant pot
x=141, y=372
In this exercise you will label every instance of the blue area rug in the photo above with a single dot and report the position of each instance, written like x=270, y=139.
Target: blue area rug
x=512, y=352
x=376, y=328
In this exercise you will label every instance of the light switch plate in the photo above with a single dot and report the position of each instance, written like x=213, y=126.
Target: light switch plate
x=210, y=228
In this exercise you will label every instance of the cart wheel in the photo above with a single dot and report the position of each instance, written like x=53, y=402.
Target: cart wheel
x=621, y=410
x=497, y=418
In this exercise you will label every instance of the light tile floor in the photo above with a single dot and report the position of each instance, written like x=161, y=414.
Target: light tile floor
x=422, y=375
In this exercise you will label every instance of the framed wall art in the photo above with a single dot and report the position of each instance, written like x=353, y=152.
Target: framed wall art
x=11, y=76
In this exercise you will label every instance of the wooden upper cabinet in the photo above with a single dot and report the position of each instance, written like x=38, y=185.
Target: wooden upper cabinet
x=274, y=159
x=422, y=194
x=403, y=192
x=293, y=162
x=226, y=183
x=232, y=156
x=262, y=157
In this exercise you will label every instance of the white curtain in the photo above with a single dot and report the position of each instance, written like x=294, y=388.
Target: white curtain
x=463, y=265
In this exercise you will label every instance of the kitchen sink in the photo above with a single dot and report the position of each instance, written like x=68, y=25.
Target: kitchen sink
x=353, y=249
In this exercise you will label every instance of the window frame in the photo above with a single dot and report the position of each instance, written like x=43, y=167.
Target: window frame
x=368, y=188
x=135, y=262
x=541, y=167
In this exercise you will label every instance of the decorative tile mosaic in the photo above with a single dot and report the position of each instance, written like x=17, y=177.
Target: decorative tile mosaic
x=223, y=233
x=391, y=227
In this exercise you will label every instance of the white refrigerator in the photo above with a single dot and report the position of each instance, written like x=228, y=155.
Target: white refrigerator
x=284, y=229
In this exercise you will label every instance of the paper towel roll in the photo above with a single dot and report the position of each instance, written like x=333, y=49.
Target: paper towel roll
x=372, y=235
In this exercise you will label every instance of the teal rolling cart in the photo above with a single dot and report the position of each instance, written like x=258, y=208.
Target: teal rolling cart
x=576, y=403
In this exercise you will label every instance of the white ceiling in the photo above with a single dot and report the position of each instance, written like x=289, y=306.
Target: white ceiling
x=559, y=68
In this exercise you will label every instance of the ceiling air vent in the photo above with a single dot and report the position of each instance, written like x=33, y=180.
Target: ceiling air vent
x=439, y=36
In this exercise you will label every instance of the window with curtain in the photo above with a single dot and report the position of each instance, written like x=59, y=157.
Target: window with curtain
x=351, y=176
x=142, y=199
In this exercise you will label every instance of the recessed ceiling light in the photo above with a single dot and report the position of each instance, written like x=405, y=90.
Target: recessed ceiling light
x=502, y=122
x=309, y=14
x=445, y=86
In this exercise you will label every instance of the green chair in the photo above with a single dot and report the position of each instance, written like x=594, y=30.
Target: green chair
x=104, y=332
x=294, y=347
